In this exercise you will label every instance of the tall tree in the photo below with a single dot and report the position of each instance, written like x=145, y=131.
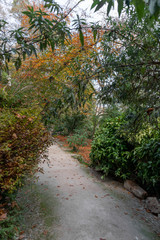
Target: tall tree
x=61, y=78
x=131, y=61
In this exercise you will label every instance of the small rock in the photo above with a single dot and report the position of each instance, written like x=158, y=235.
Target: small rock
x=153, y=205
x=135, y=189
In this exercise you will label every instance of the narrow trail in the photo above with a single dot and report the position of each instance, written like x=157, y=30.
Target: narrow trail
x=76, y=205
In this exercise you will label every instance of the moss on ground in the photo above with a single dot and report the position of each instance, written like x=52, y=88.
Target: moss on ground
x=38, y=211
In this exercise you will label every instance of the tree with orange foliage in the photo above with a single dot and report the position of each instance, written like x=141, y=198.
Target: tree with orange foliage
x=61, y=78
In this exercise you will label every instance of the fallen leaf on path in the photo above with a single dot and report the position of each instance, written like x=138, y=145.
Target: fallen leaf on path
x=96, y=196
x=57, y=195
x=137, y=209
x=21, y=237
x=3, y=216
x=102, y=239
x=34, y=226
x=14, y=204
x=14, y=136
x=58, y=186
x=67, y=198
x=27, y=192
x=2, y=205
x=106, y=195
x=45, y=232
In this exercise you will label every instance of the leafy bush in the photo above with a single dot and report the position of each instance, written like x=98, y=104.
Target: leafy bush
x=147, y=162
x=68, y=123
x=127, y=156
x=22, y=141
x=10, y=226
x=110, y=151
x=77, y=140
x=72, y=124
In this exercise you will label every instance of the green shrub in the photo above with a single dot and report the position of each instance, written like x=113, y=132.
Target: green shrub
x=126, y=156
x=22, y=141
x=147, y=162
x=110, y=151
x=10, y=227
x=68, y=123
x=77, y=140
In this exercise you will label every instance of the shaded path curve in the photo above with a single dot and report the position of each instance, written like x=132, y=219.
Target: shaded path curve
x=79, y=206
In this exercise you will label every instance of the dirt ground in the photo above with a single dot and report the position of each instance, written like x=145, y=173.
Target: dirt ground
x=71, y=202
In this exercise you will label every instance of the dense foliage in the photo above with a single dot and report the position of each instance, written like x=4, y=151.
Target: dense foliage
x=146, y=156
x=116, y=153
x=130, y=57
x=110, y=151
x=22, y=141
x=140, y=5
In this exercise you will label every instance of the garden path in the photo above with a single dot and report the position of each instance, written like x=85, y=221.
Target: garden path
x=75, y=204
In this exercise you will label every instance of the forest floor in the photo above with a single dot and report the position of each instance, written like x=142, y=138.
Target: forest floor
x=69, y=201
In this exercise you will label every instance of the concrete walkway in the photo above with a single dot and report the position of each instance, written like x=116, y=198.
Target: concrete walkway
x=85, y=208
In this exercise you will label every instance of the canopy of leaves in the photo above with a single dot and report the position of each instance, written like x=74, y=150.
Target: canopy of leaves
x=140, y=5
x=46, y=32
x=59, y=81
x=131, y=60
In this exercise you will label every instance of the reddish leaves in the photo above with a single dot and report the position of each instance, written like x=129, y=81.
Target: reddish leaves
x=106, y=195
x=21, y=143
x=3, y=214
x=84, y=151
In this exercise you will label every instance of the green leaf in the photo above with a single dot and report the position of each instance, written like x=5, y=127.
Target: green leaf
x=140, y=6
x=81, y=37
x=96, y=2
x=152, y=6
x=18, y=63
x=110, y=4
x=127, y=2
x=95, y=34
x=120, y=6
x=100, y=5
